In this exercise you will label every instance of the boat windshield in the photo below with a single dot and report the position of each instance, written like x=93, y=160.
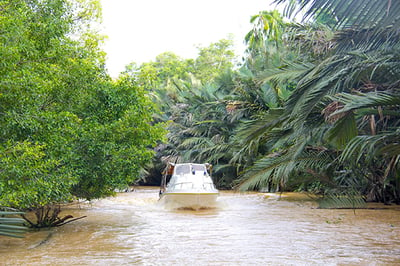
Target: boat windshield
x=182, y=169
x=198, y=167
x=189, y=168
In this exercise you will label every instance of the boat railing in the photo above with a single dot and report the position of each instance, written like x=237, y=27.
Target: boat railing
x=191, y=185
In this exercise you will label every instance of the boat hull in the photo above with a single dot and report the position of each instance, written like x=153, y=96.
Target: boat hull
x=189, y=200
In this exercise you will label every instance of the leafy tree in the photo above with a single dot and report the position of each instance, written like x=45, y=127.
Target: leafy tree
x=214, y=60
x=68, y=130
x=30, y=179
x=267, y=26
x=115, y=137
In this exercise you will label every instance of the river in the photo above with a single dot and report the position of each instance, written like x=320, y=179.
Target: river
x=246, y=229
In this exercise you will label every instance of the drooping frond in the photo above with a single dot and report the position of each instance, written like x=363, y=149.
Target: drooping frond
x=216, y=152
x=348, y=199
x=192, y=142
x=329, y=77
x=366, y=100
x=343, y=130
x=386, y=144
x=256, y=129
x=356, y=13
x=276, y=169
x=367, y=23
x=10, y=225
x=286, y=73
x=342, y=73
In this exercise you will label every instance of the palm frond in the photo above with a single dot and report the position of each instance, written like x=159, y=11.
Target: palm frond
x=365, y=100
x=370, y=23
x=343, y=130
x=194, y=142
x=386, y=143
x=277, y=169
x=289, y=72
x=379, y=13
x=216, y=152
x=391, y=149
x=256, y=129
x=350, y=199
x=329, y=77
x=11, y=226
x=337, y=76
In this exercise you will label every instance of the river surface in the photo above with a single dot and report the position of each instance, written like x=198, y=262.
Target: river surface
x=246, y=229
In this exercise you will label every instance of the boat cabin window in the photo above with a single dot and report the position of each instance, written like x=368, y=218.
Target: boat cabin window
x=198, y=167
x=182, y=169
x=190, y=169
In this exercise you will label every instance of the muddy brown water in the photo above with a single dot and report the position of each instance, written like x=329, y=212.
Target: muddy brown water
x=246, y=229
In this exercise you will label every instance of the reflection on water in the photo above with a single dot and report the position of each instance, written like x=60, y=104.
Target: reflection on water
x=246, y=229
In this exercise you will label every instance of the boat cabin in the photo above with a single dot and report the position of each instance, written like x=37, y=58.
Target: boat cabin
x=186, y=176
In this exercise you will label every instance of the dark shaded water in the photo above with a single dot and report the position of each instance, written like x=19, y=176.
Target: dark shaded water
x=246, y=229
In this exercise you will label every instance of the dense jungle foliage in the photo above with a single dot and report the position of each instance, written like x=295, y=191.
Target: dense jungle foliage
x=310, y=106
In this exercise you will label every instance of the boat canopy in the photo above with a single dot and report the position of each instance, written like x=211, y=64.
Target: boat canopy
x=184, y=169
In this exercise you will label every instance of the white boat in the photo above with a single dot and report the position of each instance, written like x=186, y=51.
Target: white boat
x=188, y=186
